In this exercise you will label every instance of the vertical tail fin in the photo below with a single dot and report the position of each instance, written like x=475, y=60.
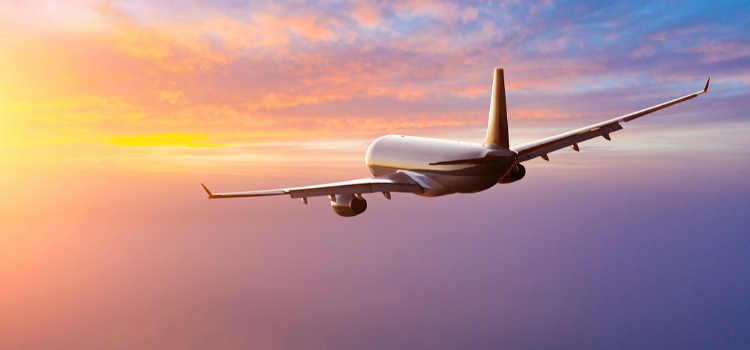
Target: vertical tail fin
x=497, y=127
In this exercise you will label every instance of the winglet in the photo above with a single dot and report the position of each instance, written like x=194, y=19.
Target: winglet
x=705, y=89
x=210, y=195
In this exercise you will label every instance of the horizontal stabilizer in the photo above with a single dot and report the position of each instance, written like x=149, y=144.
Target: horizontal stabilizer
x=483, y=160
x=488, y=157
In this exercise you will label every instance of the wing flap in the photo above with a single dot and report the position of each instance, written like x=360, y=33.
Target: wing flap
x=541, y=147
x=555, y=143
x=353, y=189
x=246, y=194
x=389, y=183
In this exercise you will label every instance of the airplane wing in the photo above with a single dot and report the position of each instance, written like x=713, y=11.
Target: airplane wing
x=398, y=182
x=541, y=148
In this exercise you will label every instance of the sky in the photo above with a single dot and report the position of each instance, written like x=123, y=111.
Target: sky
x=113, y=112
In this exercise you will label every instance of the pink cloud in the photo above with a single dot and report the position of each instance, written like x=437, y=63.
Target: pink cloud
x=721, y=51
x=276, y=75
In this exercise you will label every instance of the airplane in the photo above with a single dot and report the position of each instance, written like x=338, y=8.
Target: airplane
x=433, y=167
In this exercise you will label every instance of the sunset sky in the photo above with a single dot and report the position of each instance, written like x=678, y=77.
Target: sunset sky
x=113, y=112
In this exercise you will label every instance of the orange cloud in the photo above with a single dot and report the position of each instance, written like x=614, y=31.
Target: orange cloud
x=275, y=74
x=171, y=139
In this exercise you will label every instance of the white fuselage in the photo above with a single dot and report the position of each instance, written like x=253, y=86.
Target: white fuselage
x=389, y=154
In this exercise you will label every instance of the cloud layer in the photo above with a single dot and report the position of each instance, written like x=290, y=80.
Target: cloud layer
x=90, y=72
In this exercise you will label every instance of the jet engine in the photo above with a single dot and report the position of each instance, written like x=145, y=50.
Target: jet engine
x=348, y=204
x=516, y=173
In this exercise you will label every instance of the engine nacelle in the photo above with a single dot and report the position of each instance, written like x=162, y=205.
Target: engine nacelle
x=348, y=205
x=516, y=173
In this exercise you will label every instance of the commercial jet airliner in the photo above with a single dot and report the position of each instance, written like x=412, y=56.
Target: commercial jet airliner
x=432, y=167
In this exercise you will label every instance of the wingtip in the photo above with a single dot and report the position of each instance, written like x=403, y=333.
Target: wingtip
x=207, y=191
x=706, y=88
